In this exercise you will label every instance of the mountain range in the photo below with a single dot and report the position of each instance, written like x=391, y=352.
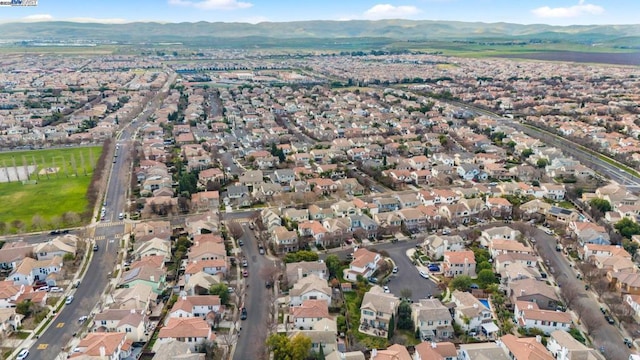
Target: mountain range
x=396, y=30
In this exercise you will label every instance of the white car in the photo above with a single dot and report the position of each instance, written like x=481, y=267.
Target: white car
x=22, y=354
x=386, y=289
x=69, y=300
x=423, y=274
x=395, y=270
x=56, y=289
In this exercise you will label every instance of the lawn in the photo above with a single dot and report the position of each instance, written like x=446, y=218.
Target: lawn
x=41, y=202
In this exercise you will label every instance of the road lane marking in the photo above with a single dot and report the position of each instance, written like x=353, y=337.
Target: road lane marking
x=43, y=346
x=60, y=325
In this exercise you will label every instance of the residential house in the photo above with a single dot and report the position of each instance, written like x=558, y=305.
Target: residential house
x=625, y=282
x=176, y=350
x=158, y=228
x=58, y=246
x=211, y=267
x=499, y=207
x=313, y=229
x=311, y=287
x=102, y=345
x=31, y=270
x=10, y=321
x=364, y=263
x=436, y=351
x=154, y=247
x=553, y=191
x=437, y=245
x=501, y=232
x=137, y=297
x=459, y=263
x=376, y=311
x=563, y=346
x=298, y=270
x=589, y=233
x=393, y=352
x=482, y=351
x=149, y=270
x=193, y=331
x=535, y=291
x=499, y=246
x=132, y=322
x=528, y=315
x=270, y=219
x=322, y=334
x=205, y=201
x=469, y=313
x=524, y=348
x=364, y=223
x=432, y=320
x=206, y=307
x=12, y=253
x=308, y=313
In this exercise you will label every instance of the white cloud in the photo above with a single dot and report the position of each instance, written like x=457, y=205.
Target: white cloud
x=212, y=4
x=388, y=11
x=568, y=12
x=38, y=17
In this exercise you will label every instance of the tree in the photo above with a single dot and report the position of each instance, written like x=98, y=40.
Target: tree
x=406, y=293
x=283, y=348
x=37, y=222
x=462, y=283
x=24, y=308
x=404, y=316
x=302, y=255
x=392, y=326
x=222, y=291
x=627, y=228
x=486, y=277
x=600, y=204
x=333, y=265
x=542, y=163
x=484, y=265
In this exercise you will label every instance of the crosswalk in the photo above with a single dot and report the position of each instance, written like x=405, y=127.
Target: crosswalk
x=109, y=224
x=99, y=237
x=240, y=220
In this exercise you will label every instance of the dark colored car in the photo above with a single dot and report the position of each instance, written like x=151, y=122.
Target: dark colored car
x=55, y=232
x=609, y=319
x=243, y=314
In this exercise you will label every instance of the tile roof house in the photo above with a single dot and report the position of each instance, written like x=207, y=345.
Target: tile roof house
x=211, y=267
x=154, y=247
x=10, y=321
x=12, y=253
x=200, y=282
x=376, y=310
x=528, y=315
x=137, y=297
x=298, y=270
x=469, y=313
x=101, y=345
x=322, y=334
x=564, y=347
x=193, y=331
x=437, y=245
x=459, y=263
x=364, y=263
x=133, y=323
x=176, y=350
x=435, y=351
x=308, y=313
x=284, y=240
x=10, y=292
x=145, y=272
x=393, y=352
x=482, y=351
x=311, y=287
x=31, y=270
x=432, y=319
x=625, y=282
x=58, y=246
x=524, y=348
x=534, y=291
x=201, y=306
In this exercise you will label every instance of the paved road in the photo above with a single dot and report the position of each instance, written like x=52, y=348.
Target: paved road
x=407, y=276
x=605, y=335
x=107, y=235
x=250, y=345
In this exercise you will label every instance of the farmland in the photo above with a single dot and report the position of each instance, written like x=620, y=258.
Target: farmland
x=52, y=195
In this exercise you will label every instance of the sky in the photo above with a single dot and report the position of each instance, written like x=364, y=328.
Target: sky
x=553, y=12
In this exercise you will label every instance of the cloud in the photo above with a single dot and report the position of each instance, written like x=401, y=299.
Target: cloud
x=568, y=12
x=388, y=11
x=38, y=17
x=212, y=4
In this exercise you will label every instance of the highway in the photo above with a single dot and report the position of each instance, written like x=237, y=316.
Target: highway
x=568, y=147
x=107, y=235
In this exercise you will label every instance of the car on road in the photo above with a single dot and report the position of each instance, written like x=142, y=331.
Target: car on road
x=243, y=314
x=69, y=300
x=245, y=273
x=96, y=247
x=373, y=280
x=240, y=243
x=609, y=319
x=251, y=226
x=54, y=232
x=23, y=354
x=120, y=216
x=261, y=251
x=628, y=342
x=245, y=263
x=83, y=319
x=434, y=268
x=423, y=274
x=386, y=289
x=395, y=270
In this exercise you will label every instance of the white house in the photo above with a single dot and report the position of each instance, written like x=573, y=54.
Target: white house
x=364, y=263
x=311, y=287
x=470, y=314
x=528, y=315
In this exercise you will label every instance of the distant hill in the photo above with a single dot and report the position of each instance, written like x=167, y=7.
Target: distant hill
x=423, y=30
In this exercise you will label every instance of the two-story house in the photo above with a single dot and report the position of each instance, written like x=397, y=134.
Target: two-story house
x=435, y=351
x=528, y=315
x=432, y=320
x=469, y=313
x=201, y=306
x=133, y=323
x=459, y=263
x=193, y=331
x=103, y=345
x=364, y=263
x=298, y=270
x=376, y=311
x=311, y=287
x=304, y=317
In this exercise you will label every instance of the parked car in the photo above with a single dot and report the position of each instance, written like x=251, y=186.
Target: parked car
x=23, y=354
x=373, y=280
x=54, y=232
x=628, y=342
x=395, y=270
x=69, y=300
x=261, y=251
x=245, y=263
x=83, y=319
x=95, y=247
x=423, y=274
x=245, y=273
x=243, y=314
x=56, y=289
x=609, y=319
x=43, y=288
x=240, y=243
x=434, y=268
x=386, y=289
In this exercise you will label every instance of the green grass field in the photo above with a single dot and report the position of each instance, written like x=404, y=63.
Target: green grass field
x=42, y=202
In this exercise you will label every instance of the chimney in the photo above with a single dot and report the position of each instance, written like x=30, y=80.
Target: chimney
x=538, y=338
x=374, y=353
x=529, y=307
x=152, y=278
x=133, y=311
x=434, y=345
x=299, y=273
x=103, y=352
x=475, y=305
x=522, y=292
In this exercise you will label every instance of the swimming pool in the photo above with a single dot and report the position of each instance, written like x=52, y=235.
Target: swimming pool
x=485, y=302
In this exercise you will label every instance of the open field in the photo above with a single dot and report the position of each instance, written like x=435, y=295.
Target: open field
x=43, y=200
x=581, y=57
